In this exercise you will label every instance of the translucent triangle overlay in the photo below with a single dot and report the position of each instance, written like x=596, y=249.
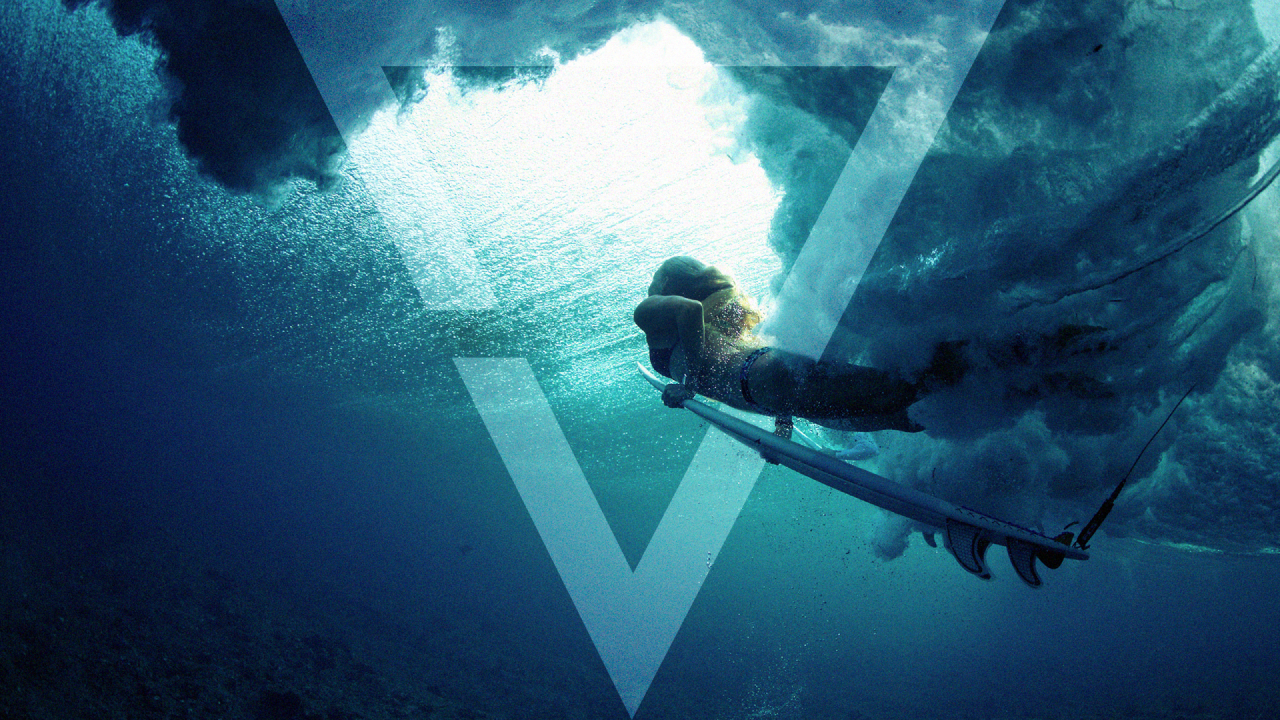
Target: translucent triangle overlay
x=631, y=616
x=884, y=162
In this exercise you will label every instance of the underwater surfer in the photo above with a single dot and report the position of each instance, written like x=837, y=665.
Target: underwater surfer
x=698, y=325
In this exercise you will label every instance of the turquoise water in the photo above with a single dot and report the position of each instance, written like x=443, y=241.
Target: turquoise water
x=235, y=433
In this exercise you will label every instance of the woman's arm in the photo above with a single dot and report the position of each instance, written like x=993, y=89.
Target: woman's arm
x=670, y=319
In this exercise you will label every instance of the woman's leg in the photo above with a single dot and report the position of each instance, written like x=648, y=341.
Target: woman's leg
x=795, y=385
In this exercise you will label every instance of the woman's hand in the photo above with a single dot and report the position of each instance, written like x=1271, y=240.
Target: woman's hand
x=669, y=319
x=674, y=395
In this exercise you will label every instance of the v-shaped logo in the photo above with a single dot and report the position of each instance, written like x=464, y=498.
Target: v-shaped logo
x=632, y=616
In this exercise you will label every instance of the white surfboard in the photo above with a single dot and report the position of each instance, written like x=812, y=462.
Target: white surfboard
x=966, y=533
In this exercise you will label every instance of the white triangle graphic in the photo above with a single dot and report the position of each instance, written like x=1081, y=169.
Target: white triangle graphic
x=632, y=617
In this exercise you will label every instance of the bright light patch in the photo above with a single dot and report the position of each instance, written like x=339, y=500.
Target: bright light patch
x=576, y=187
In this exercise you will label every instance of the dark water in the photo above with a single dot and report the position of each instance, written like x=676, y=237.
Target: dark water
x=240, y=477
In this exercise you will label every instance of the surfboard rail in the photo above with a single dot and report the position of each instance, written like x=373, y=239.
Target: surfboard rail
x=967, y=533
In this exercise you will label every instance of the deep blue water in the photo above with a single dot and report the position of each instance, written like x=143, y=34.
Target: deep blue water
x=197, y=381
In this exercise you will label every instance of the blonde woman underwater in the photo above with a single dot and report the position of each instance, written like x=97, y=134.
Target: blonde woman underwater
x=698, y=325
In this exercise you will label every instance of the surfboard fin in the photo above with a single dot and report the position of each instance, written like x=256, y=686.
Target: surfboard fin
x=1022, y=556
x=1053, y=560
x=969, y=546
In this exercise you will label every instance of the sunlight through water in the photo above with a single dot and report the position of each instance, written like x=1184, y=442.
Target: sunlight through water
x=564, y=194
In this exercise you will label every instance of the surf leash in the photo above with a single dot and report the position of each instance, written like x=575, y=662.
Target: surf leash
x=1094, y=523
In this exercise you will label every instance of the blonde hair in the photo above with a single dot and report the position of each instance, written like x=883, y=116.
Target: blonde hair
x=689, y=277
x=726, y=308
x=731, y=312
